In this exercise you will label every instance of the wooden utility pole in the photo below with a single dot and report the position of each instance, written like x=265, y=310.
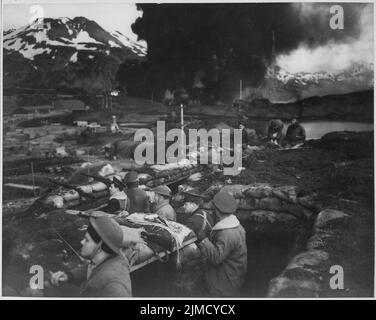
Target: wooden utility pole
x=182, y=124
x=32, y=177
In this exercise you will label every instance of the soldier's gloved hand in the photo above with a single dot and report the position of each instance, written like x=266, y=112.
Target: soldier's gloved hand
x=201, y=235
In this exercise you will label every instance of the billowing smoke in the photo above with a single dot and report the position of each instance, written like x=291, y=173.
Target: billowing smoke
x=227, y=42
x=354, y=44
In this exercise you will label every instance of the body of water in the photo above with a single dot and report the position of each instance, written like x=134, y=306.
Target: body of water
x=316, y=129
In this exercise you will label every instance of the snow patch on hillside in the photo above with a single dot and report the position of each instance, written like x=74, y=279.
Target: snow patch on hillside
x=73, y=57
x=84, y=37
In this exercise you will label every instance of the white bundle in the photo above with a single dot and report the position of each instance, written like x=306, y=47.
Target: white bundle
x=71, y=195
x=184, y=163
x=55, y=201
x=98, y=186
x=132, y=236
x=106, y=170
x=195, y=177
x=236, y=190
x=143, y=176
x=87, y=189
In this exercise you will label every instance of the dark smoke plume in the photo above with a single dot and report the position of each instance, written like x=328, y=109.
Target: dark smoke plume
x=229, y=42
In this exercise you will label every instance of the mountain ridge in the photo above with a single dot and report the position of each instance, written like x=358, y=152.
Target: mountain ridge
x=75, y=53
x=281, y=86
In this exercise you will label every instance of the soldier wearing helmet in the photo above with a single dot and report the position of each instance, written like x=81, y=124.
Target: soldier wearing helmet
x=107, y=274
x=137, y=198
x=193, y=216
x=163, y=207
x=225, y=250
x=275, y=128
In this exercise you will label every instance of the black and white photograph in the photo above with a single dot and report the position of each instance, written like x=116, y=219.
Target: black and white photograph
x=187, y=150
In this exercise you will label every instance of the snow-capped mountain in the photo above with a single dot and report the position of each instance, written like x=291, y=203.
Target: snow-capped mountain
x=283, y=86
x=74, y=53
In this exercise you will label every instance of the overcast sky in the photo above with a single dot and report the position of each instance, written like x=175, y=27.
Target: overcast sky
x=110, y=15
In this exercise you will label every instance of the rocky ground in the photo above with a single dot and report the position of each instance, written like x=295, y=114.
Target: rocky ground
x=293, y=260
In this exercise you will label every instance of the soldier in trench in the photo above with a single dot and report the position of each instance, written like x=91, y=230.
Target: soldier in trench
x=275, y=128
x=193, y=216
x=225, y=250
x=295, y=135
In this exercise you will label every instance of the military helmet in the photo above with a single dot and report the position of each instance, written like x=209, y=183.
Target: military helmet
x=110, y=232
x=225, y=202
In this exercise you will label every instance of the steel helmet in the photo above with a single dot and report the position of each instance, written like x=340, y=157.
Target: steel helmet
x=225, y=202
x=131, y=176
x=195, y=194
x=163, y=190
x=110, y=232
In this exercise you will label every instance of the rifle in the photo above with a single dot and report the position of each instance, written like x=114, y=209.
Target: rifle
x=68, y=244
x=118, y=183
x=69, y=186
x=115, y=181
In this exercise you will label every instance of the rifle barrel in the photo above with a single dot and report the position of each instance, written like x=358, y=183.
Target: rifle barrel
x=67, y=243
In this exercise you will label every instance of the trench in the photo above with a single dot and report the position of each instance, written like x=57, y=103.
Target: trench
x=269, y=251
x=268, y=255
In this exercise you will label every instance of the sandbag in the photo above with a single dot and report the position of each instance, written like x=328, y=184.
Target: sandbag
x=159, y=234
x=98, y=187
x=308, y=265
x=265, y=216
x=213, y=189
x=236, y=190
x=330, y=218
x=286, y=193
x=258, y=190
x=247, y=204
x=132, y=235
x=311, y=202
x=297, y=210
x=101, y=194
x=73, y=203
x=188, y=254
x=313, y=259
x=71, y=195
x=87, y=189
x=144, y=177
x=106, y=170
x=272, y=204
x=55, y=201
x=285, y=287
